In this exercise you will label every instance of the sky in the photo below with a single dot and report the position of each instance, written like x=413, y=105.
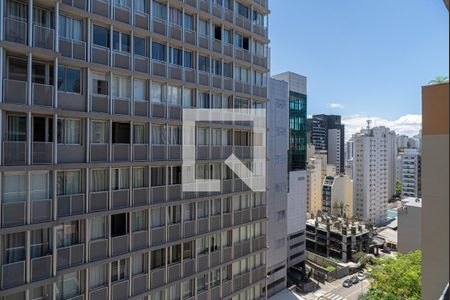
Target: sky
x=364, y=59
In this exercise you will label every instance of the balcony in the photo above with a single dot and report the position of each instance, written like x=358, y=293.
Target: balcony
x=98, y=201
x=243, y=22
x=41, y=268
x=122, y=13
x=176, y=32
x=122, y=60
x=98, y=249
x=13, y=213
x=142, y=64
x=43, y=37
x=215, y=223
x=139, y=284
x=190, y=37
x=204, y=6
x=140, y=152
x=228, y=15
x=157, y=278
x=242, y=87
x=99, y=293
x=119, y=290
x=158, y=236
x=190, y=75
x=189, y=229
x=203, y=41
x=100, y=103
x=16, y=268
x=203, y=78
x=242, y=54
x=41, y=210
x=175, y=72
x=119, y=245
x=42, y=153
x=260, y=91
x=174, y=272
x=14, y=153
x=16, y=30
x=260, y=61
x=100, y=7
x=68, y=153
x=81, y=4
x=226, y=288
x=228, y=84
x=15, y=91
x=241, y=281
x=227, y=254
x=121, y=106
x=217, y=10
x=159, y=26
x=141, y=20
x=215, y=258
x=158, y=194
x=100, y=54
x=260, y=30
x=174, y=192
x=174, y=232
x=99, y=153
x=120, y=199
x=139, y=240
x=202, y=262
x=159, y=68
x=72, y=101
x=140, y=196
x=159, y=152
x=141, y=108
x=42, y=94
x=241, y=249
x=70, y=256
x=174, y=152
x=121, y=152
x=259, y=243
x=258, y=274
x=202, y=225
x=188, y=267
x=70, y=205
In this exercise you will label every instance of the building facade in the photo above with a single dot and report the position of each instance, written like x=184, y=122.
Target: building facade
x=337, y=196
x=372, y=168
x=411, y=173
x=92, y=205
x=277, y=184
x=327, y=133
x=409, y=225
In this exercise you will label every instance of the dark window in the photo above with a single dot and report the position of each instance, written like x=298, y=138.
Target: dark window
x=69, y=79
x=188, y=61
x=245, y=43
x=100, y=36
x=218, y=32
x=139, y=46
x=119, y=225
x=158, y=51
x=121, y=133
x=42, y=129
x=17, y=69
x=158, y=176
x=243, y=10
x=158, y=258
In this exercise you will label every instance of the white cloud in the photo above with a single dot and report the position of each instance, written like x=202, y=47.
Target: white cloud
x=407, y=124
x=336, y=105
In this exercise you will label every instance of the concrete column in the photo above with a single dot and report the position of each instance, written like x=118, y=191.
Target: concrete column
x=1, y=61
x=56, y=28
x=29, y=139
x=55, y=83
x=30, y=22
x=55, y=139
x=2, y=4
x=88, y=39
x=30, y=78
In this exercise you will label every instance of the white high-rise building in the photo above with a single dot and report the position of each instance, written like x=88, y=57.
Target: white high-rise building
x=334, y=148
x=373, y=173
x=411, y=173
x=392, y=162
x=349, y=150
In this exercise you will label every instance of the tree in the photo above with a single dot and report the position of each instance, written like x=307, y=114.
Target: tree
x=398, y=188
x=396, y=278
x=439, y=80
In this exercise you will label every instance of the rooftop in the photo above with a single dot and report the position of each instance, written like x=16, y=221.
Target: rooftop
x=412, y=201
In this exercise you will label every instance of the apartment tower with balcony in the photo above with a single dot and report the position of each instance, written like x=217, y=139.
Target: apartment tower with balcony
x=92, y=95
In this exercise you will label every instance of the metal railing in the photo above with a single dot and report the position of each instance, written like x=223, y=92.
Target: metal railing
x=72, y=48
x=16, y=30
x=43, y=37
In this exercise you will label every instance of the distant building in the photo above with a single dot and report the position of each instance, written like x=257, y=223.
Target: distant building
x=327, y=133
x=409, y=225
x=402, y=141
x=337, y=196
x=373, y=173
x=314, y=185
x=411, y=173
x=336, y=237
x=349, y=150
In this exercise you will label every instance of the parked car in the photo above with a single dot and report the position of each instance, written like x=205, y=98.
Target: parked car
x=361, y=276
x=347, y=283
x=386, y=250
x=355, y=279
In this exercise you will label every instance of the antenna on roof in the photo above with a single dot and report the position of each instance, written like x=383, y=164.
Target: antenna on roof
x=369, y=122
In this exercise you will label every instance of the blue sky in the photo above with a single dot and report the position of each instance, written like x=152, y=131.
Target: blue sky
x=363, y=58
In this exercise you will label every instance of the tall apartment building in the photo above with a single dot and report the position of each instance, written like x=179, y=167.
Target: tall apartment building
x=314, y=185
x=435, y=190
x=411, y=173
x=277, y=185
x=349, y=150
x=337, y=196
x=91, y=180
x=327, y=133
x=372, y=165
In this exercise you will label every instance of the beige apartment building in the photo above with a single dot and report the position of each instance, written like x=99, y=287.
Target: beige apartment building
x=92, y=94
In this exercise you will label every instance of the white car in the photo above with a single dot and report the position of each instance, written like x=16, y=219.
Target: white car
x=361, y=276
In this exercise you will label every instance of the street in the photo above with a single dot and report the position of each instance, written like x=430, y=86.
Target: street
x=335, y=290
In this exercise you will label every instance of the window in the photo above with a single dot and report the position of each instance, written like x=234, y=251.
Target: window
x=119, y=270
x=158, y=217
x=99, y=180
x=158, y=92
x=139, y=5
x=242, y=74
x=41, y=242
x=42, y=17
x=216, y=207
x=68, y=182
x=226, y=205
x=259, y=79
x=99, y=132
x=203, y=27
x=100, y=84
x=259, y=49
x=202, y=283
x=14, y=187
x=218, y=32
x=228, y=70
x=174, y=175
x=139, y=134
x=259, y=19
x=121, y=88
x=140, y=90
x=218, y=67
x=243, y=10
x=68, y=234
x=13, y=247
x=158, y=176
x=174, y=254
x=120, y=179
x=121, y=41
x=158, y=51
x=189, y=22
x=188, y=59
x=174, y=95
x=139, y=177
x=120, y=133
x=203, y=63
x=98, y=276
x=228, y=36
x=188, y=97
x=202, y=245
x=188, y=288
x=69, y=131
x=70, y=28
x=176, y=56
x=70, y=285
x=174, y=135
x=174, y=214
x=100, y=36
x=123, y=3
x=203, y=209
x=98, y=228
x=139, y=46
x=17, y=10
x=17, y=69
x=158, y=135
x=40, y=185
x=203, y=100
x=215, y=278
x=159, y=10
x=241, y=41
x=69, y=80
x=158, y=258
x=139, y=265
x=119, y=225
x=176, y=16
x=216, y=137
x=188, y=212
x=202, y=136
